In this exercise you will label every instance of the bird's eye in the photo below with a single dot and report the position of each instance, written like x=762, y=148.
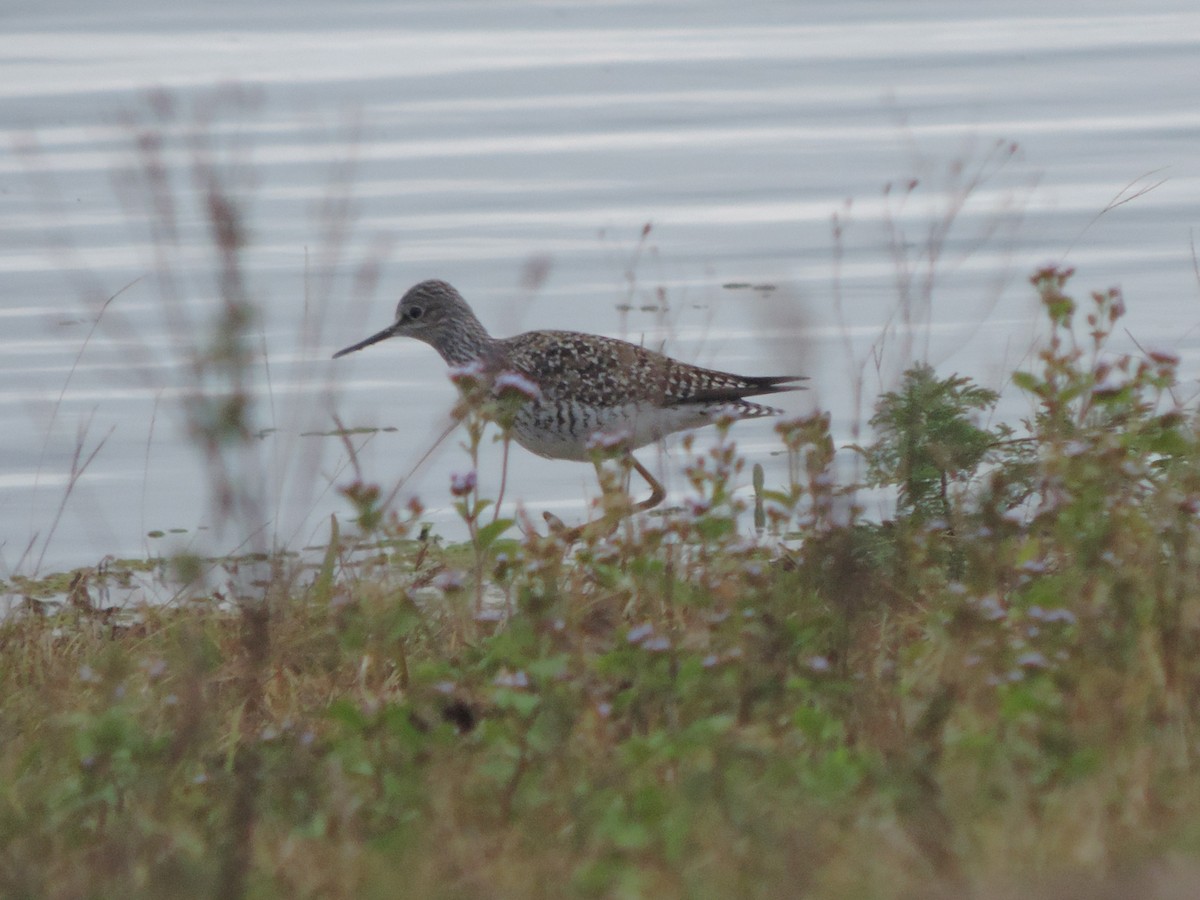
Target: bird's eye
x=415, y=312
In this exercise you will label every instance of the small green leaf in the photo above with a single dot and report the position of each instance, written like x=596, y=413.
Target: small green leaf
x=488, y=533
x=348, y=713
x=521, y=703
x=323, y=584
x=1027, y=381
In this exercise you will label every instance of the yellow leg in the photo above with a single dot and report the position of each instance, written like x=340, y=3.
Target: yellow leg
x=657, y=494
x=609, y=524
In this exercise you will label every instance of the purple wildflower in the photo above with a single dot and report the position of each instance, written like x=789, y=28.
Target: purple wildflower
x=516, y=383
x=639, y=633
x=463, y=483
x=609, y=440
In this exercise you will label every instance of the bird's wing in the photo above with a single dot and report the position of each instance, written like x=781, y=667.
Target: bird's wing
x=602, y=371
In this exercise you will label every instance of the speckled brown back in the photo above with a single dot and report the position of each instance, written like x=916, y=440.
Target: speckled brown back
x=592, y=370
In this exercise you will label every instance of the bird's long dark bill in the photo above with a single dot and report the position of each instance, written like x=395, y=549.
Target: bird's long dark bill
x=373, y=339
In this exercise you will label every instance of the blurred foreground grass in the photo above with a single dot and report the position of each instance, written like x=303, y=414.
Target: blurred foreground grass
x=993, y=694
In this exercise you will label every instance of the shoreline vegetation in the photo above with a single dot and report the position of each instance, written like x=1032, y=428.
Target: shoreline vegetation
x=991, y=694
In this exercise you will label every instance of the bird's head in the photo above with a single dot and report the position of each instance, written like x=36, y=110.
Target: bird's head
x=433, y=312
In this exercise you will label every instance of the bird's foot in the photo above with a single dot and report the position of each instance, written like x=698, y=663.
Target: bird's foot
x=601, y=528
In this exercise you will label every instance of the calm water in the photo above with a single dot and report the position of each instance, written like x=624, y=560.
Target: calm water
x=473, y=141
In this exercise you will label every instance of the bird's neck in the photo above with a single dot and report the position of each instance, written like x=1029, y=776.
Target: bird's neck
x=464, y=340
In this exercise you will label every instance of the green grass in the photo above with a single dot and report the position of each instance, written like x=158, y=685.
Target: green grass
x=992, y=694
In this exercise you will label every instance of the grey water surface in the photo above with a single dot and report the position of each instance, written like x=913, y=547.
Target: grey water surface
x=832, y=189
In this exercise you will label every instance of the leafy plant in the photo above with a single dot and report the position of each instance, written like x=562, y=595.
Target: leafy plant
x=928, y=440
